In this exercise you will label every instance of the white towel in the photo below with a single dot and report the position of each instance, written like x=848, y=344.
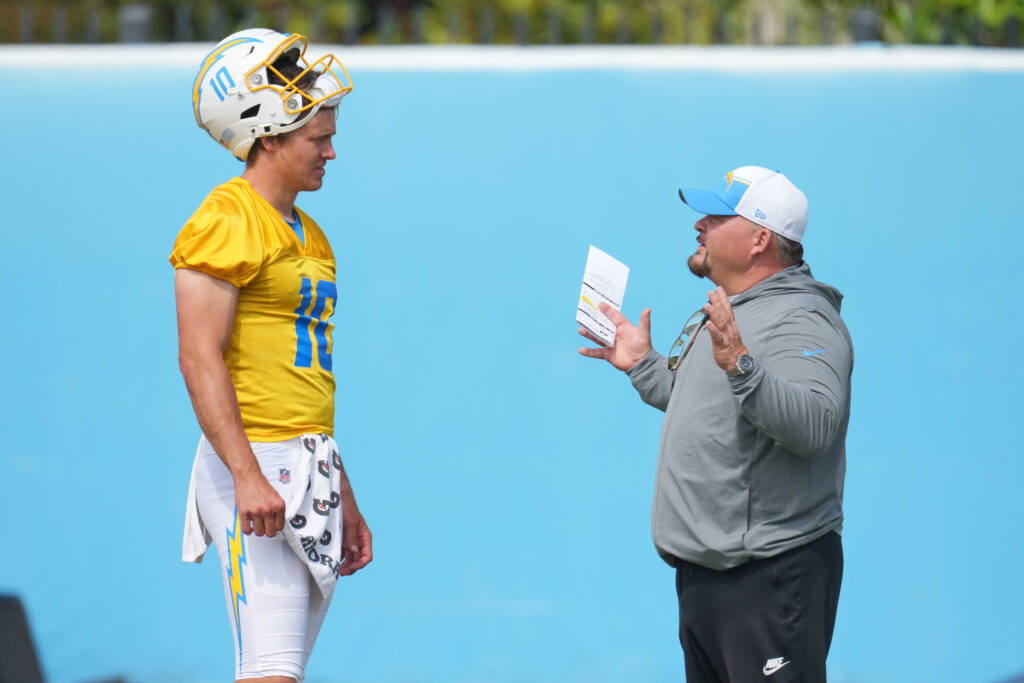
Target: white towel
x=196, y=540
x=313, y=529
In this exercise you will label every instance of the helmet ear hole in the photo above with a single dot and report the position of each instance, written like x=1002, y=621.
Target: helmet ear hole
x=249, y=113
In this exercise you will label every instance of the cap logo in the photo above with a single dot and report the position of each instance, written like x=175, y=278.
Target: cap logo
x=759, y=214
x=728, y=181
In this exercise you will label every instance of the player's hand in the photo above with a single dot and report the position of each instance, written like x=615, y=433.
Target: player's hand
x=632, y=342
x=260, y=507
x=721, y=324
x=356, y=542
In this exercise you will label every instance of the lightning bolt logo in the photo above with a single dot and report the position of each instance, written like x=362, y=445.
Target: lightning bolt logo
x=197, y=86
x=236, y=558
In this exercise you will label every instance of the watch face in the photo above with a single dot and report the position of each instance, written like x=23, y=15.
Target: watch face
x=745, y=363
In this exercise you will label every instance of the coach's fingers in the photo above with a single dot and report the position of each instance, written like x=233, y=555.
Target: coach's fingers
x=645, y=323
x=583, y=332
x=613, y=315
x=592, y=352
x=719, y=298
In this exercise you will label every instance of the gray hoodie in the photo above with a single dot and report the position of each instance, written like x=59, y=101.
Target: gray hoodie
x=753, y=466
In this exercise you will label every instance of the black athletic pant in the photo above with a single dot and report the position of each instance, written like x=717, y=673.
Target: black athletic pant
x=768, y=620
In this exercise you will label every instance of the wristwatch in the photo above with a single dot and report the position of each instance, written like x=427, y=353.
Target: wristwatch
x=744, y=365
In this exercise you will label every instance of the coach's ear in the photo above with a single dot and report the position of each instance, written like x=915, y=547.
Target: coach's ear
x=762, y=240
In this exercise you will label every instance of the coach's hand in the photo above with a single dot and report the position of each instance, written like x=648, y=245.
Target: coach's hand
x=632, y=342
x=260, y=507
x=726, y=343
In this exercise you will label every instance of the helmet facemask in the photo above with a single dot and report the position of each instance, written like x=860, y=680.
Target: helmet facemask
x=301, y=86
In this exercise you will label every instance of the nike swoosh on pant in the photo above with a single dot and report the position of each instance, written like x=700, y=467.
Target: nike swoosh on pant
x=769, y=671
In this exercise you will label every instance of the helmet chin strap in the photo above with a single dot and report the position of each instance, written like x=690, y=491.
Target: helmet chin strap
x=299, y=122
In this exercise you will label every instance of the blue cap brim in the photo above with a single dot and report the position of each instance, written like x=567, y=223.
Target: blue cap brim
x=705, y=201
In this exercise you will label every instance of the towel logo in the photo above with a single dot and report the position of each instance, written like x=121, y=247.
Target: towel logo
x=285, y=476
x=309, y=546
x=324, y=507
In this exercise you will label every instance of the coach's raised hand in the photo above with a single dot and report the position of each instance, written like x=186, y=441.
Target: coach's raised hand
x=632, y=342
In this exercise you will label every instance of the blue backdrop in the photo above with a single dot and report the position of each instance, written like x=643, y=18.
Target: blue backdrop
x=507, y=479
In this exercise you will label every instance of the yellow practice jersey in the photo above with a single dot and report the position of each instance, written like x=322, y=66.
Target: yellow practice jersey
x=279, y=356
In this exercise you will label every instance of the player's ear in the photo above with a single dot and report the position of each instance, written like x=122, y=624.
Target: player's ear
x=270, y=143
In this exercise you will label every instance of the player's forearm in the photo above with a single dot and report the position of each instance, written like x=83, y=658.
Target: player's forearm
x=348, y=498
x=216, y=407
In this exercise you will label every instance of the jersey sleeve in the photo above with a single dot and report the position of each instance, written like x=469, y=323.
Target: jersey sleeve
x=221, y=245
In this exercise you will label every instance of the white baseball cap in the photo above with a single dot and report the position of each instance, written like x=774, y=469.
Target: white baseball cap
x=758, y=194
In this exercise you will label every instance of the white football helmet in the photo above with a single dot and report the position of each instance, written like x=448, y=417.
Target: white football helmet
x=233, y=97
